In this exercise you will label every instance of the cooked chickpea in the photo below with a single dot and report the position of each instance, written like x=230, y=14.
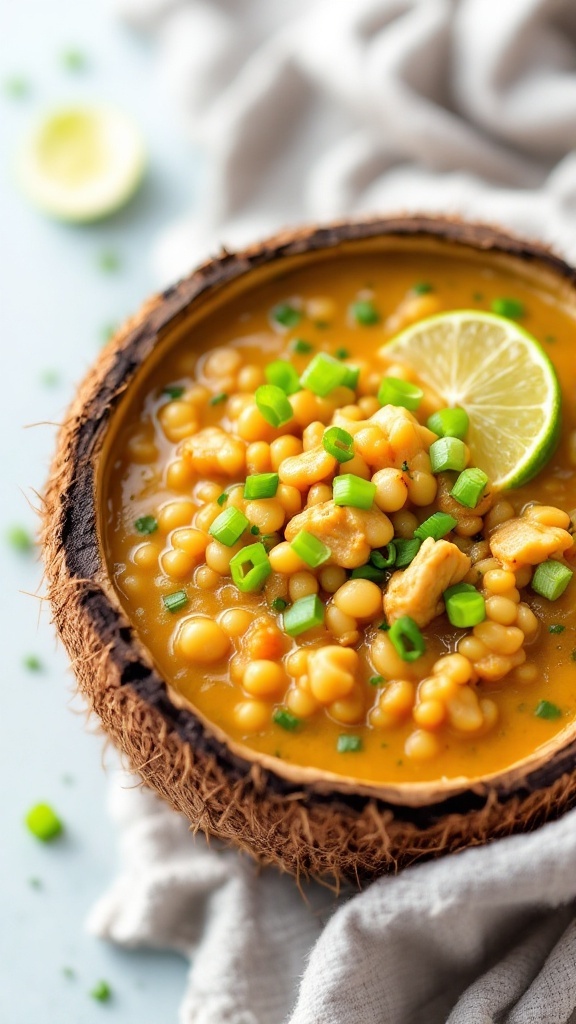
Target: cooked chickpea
x=456, y=666
x=500, y=639
x=489, y=713
x=473, y=648
x=250, y=378
x=404, y=524
x=358, y=467
x=284, y=447
x=284, y=559
x=207, y=491
x=421, y=745
x=252, y=426
x=422, y=488
x=206, y=578
x=263, y=678
x=398, y=698
x=218, y=556
x=332, y=672
x=252, y=715
x=141, y=449
x=311, y=436
x=361, y=599
x=205, y=516
x=237, y=403
x=501, y=609
x=301, y=584
x=321, y=308
x=301, y=703
x=523, y=576
x=146, y=555
x=348, y=710
x=500, y=513
x=499, y=580
x=378, y=529
x=179, y=475
x=391, y=489
x=331, y=578
x=266, y=513
x=222, y=362
x=235, y=621
x=430, y=714
x=464, y=711
x=469, y=526
x=201, y=640
x=527, y=621
x=548, y=515
x=368, y=405
x=527, y=673
x=304, y=407
x=178, y=420
x=175, y=514
x=339, y=622
x=297, y=662
x=290, y=498
x=309, y=468
x=318, y=493
x=258, y=457
x=177, y=563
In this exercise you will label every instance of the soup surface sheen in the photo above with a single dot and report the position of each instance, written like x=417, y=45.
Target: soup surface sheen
x=381, y=719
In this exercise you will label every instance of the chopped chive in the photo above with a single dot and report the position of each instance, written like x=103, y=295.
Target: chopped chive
x=449, y=423
x=348, y=744
x=261, y=485
x=173, y=391
x=376, y=680
x=255, y=530
x=273, y=405
x=285, y=719
x=229, y=526
x=250, y=568
x=556, y=628
x=324, y=373
x=310, y=549
x=222, y=499
x=174, y=602
x=43, y=822
x=303, y=348
x=339, y=443
x=32, y=663
x=407, y=639
x=395, y=391
x=448, y=453
x=406, y=550
x=384, y=559
x=101, y=992
x=353, y=491
x=283, y=375
x=306, y=613
x=146, y=524
x=218, y=399
x=342, y=353
x=368, y=572
x=405, y=467
x=364, y=312
x=20, y=539
x=513, y=309
x=109, y=261
x=469, y=487
x=551, y=579
x=465, y=609
x=546, y=709
x=73, y=60
x=286, y=315
x=16, y=87
x=279, y=604
x=437, y=525
x=422, y=288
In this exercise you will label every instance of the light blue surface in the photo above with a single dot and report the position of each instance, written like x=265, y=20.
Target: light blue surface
x=55, y=305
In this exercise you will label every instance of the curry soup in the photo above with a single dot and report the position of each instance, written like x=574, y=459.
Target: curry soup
x=291, y=647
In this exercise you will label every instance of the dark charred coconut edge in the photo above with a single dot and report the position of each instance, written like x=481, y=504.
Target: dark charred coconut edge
x=123, y=682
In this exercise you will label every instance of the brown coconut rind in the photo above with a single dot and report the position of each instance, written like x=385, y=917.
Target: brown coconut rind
x=305, y=822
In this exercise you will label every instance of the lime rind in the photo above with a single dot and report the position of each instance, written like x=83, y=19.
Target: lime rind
x=511, y=393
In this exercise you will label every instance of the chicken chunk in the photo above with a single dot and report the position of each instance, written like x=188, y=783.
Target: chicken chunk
x=417, y=591
x=212, y=451
x=350, y=533
x=523, y=541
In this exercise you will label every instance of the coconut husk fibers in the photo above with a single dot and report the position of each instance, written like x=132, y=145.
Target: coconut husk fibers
x=305, y=829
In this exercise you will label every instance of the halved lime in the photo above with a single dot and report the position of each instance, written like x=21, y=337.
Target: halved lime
x=82, y=163
x=500, y=375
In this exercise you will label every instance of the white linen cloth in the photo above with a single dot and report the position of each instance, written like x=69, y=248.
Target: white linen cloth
x=312, y=110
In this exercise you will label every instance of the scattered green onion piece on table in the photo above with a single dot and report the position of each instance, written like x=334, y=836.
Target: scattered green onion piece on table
x=546, y=709
x=273, y=405
x=513, y=309
x=283, y=375
x=306, y=613
x=551, y=579
x=285, y=719
x=384, y=559
x=339, y=443
x=352, y=490
x=448, y=453
x=407, y=639
x=323, y=374
x=146, y=524
x=279, y=604
x=32, y=663
x=368, y=572
x=229, y=526
x=250, y=568
x=348, y=744
x=469, y=487
x=20, y=539
x=310, y=549
x=466, y=609
x=261, y=485
x=43, y=822
x=286, y=315
x=174, y=602
x=449, y=423
x=437, y=526
x=394, y=391
x=301, y=347
x=364, y=312
x=406, y=550
x=173, y=391
x=218, y=399
x=101, y=992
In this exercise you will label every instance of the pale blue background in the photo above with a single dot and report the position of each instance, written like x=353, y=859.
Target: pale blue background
x=55, y=303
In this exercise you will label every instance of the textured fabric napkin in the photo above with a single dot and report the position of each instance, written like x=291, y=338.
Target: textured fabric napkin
x=309, y=109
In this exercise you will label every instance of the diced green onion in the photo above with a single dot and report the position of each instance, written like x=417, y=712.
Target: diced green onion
x=283, y=375
x=364, y=312
x=286, y=315
x=173, y=391
x=218, y=399
x=384, y=559
x=250, y=568
x=261, y=485
x=273, y=405
x=339, y=443
x=449, y=423
x=546, y=709
x=406, y=550
x=348, y=744
x=43, y=822
x=376, y=680
x=255, y=530
x=306, y=613
x=465, y=609
x=469, y=487
x=422, y=288
x=437, y=525
x=458, y=588
x=323, y=374
x=303, y=348
x=351, y=378
x=511, y=308
x=447, y=453
x=229, y=526
x=146, y=524
x=349, y=489
x=342, y=353
x=285, y=719
x=32, y=663
x=310, y=549
x=407, y=639
x=368, y=572
x=279, y=604
x=551, y=579
x=395, y=391
x=101, y=992
x=174, y=602
x=222, y=499
x=556, y=628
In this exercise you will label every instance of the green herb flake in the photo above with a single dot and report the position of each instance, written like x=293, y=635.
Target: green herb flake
x=218, y=399
x=285, y=719
x=279, y=604
x=146, y=524
x=512, y=309
x=16, y=87
x=384, y=626
x=286, y=315
x=301, y=347
x=348, y=744
x=422, y=288
x=546, y=709
x=376, y=681
x=20, y=539
x=109, y=261
x=32, y=663
x=176, y=601
x=556, y=628
x=222, y=499
x=101, y=992
x=405, y=467
x=174, y=391
x=342, y=353
x=255, y=530
x=73, y=60
x=364, y=312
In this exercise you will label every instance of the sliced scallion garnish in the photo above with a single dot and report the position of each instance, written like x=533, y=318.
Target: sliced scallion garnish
x=310, y=549
x=306, y=613
x=273, y=405
x=229, y=526
x=261, y=485
x=352, y=490
x=395, y=391
x=339, y=443
x=250, y=568
x=407, y=639
x=551, y=579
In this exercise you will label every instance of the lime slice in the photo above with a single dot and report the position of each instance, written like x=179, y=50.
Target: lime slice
x=82, y=163
x=500, y=375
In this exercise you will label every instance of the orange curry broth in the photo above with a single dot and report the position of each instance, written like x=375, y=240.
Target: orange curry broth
x=135, y=489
